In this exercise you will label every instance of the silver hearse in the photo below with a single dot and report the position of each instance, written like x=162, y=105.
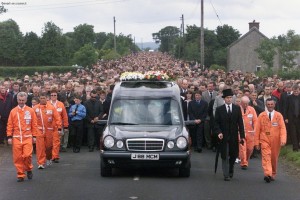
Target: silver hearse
x=145, y=129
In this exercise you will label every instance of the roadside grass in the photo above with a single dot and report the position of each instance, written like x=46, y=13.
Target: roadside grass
x=290, y=156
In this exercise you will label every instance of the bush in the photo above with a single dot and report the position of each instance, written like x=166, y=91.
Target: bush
x=216, y=67
x=22, y=71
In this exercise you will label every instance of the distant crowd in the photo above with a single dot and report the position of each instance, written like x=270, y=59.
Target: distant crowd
x=92, y=88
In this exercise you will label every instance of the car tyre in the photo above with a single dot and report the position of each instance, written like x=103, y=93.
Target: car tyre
x=185, y=171
x=105, y=171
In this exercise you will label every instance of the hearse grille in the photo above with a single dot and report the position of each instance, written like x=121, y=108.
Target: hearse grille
x=145, y=144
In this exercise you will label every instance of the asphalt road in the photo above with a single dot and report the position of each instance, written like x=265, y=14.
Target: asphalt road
x=77, y=177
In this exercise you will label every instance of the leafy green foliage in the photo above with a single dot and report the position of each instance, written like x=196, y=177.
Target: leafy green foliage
x=266, y=51
x=166, y=37
x=86, y=55
x=9, y=71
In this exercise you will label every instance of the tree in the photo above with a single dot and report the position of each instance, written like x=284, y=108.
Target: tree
x=227, y=35
x=31, y=49
x=86, y=55
x=83, y=34
x=288, y=46
x=166, y=37
x=53, y=45
x=266, y=51
x=10, y=41
x=2, y=10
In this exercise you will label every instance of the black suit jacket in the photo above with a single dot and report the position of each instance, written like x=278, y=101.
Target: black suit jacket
x=197, y=111
x=282, y=103
x=290, y=107
x=93, y=109
x=230, y=126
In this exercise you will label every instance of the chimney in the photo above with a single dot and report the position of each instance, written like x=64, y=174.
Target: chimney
x=254, y=24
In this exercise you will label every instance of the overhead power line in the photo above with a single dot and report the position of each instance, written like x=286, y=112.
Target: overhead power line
x=216, y=13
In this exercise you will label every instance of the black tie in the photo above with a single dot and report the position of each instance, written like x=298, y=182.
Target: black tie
x=210, y=95
x=270, y=116
x=229, y=111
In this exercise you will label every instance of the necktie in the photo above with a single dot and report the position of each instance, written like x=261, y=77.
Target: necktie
x=245, y=111
x=270, y=116
x=228, y=110
x=210, y=93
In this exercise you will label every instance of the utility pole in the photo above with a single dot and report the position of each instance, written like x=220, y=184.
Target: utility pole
x=182, y=36
x=202, y=38
x=115, y=43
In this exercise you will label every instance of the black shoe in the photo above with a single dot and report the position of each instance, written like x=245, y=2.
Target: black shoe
x=214, y=149
x=244, y=167
x=226, y=178
x=267, y=179
x=29, y=174
x=20, y=179
x=55, y=160
x=199, y=150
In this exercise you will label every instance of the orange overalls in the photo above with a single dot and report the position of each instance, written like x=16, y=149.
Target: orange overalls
x=48, y=121
x=22, y=126
x=60, y=107
x=246, y=150
x=269, y=135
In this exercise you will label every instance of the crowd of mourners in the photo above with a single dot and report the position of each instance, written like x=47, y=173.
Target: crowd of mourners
x=68, y=105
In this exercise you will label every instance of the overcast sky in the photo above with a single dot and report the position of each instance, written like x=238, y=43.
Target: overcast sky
x=141, y=18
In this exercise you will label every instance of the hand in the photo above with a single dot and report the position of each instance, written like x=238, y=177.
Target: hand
x=254, y=103
x=92, y=121
x=96, y=119
x=242, y=141
x=33, y=140
x=282, y=143
x=220, y=136
x=286, y=121
x=9, y=141
x=257, y=147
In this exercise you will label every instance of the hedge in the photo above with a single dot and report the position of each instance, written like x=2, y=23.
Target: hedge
x=22, y=71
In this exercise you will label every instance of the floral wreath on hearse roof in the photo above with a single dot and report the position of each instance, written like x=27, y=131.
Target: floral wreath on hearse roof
x=147, y=76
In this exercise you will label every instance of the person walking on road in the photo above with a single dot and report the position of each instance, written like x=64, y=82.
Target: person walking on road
x=48, y=121
x=228, y=126
x=61, y=110
x=21, y=133
x=270, y=136
x=249, y=118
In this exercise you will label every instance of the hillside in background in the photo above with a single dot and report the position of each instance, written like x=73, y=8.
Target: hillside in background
x=151, y=45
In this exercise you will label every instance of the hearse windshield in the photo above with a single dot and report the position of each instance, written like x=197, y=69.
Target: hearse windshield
x=145, y=112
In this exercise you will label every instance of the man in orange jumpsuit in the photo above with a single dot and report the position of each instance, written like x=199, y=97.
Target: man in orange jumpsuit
x=48, y=120
x=249, y=118
x=60, y=107
x=21, y=133
x=270, y=136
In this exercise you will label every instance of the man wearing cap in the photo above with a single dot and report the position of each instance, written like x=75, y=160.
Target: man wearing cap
x=228, y=126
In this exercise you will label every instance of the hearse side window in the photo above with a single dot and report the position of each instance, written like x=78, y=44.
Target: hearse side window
x=145, y=112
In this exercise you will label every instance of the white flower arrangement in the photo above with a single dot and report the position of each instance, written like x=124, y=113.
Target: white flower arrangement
x=150, y=76
x=128, y=76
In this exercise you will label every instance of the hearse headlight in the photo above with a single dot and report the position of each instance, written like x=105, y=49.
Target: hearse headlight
x=109, y=141
x=181, y=142
x=171, y=144
x=120, y=144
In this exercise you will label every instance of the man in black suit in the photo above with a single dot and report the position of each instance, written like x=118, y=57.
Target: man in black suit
x=94, y=112
x=197, y=110
x=292, y=117
x=228, y=125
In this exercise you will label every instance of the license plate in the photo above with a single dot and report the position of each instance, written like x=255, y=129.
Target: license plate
x=144, y=156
